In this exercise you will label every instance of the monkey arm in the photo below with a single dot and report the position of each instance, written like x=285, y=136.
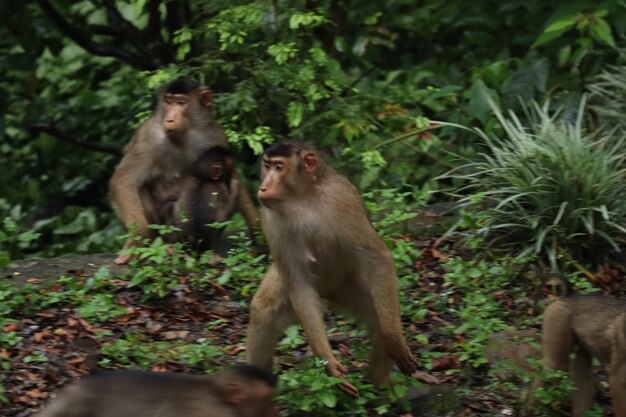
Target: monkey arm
x=127, y=192
x=309, y=309
x=245, y=206
x=126, y=198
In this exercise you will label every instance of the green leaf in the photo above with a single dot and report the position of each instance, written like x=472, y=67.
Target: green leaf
x=28, y=236
x=602, y=30
x=294, y=113
x=329, y=399
x=555, y=30
x=479, y=102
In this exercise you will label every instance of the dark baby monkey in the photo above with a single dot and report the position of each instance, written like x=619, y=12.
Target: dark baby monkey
x=239, y=391
x=208, y=195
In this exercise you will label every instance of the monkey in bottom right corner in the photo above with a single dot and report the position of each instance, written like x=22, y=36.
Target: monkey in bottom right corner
x=595, y=326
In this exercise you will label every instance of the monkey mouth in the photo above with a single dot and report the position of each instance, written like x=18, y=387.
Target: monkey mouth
x=173, y=135
x=266, y=200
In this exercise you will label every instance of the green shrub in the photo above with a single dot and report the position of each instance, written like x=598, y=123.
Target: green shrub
x=550, y=188
x=608, y=98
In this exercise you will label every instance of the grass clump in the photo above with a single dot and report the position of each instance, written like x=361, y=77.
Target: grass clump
x=548, y=187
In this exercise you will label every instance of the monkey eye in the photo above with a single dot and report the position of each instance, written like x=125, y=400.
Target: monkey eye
x=279, y=167
x=267, y=165
x=181, y=102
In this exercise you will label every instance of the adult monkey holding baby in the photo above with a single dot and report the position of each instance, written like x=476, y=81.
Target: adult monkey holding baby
x=324, y=249
x=161, y=154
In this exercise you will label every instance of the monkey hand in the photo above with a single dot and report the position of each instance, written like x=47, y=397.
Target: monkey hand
x=406, y=363
x=336, y=369
x=349, y=389
x=123, y=259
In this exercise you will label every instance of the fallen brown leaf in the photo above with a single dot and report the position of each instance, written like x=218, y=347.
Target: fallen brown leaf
x=235, y=350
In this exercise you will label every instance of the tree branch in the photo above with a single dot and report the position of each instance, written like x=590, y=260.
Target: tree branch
x=177, y=13
x=95, y=48
x=130, y=32
x=65, y=137
x=152, y=33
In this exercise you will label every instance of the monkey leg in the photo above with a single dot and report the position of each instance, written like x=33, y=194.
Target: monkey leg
x=557, y=337
x=386, y=322
x=557, y=342
x=381, y=364
x=360, y=304
x=584, y=383
x=617, y=368
x=617, y=383
x=270, y=313
x=309, y=308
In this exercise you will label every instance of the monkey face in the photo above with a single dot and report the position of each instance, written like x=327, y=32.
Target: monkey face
x=286, y=176
x=175, y=119
x=274, y=175
x=180, y=108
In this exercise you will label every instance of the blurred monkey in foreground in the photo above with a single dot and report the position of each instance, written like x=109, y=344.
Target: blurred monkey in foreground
x=239, y=391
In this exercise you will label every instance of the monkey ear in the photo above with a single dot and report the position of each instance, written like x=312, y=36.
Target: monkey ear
x=310, y=161
x=206, y=97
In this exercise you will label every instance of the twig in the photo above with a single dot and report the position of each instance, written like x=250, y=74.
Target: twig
x=61, y=135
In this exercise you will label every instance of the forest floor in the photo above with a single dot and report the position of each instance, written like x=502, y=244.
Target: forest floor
x=67, y=340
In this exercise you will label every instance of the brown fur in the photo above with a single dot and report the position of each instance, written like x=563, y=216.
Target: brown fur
x=159, y=157
x=324, y=250
x=592, y=326
x=230, y=393
x=510, y=349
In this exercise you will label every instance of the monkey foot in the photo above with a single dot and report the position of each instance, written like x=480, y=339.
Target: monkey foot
x=407, y=364
x=123, y=259
x=349, y=389
x=336, y=368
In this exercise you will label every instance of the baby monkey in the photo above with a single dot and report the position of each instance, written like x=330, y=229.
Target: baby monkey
x=208, y=194
x=596, y=326
x=239, y=391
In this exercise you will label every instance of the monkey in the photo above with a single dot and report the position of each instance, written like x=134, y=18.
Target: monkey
x=161, y=154
x=508, y=351
x=208, y=195
x=238, y=391
x=593, y=326
x=324, y=249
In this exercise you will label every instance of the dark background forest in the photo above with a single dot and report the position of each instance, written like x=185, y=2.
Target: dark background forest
x=513, y=108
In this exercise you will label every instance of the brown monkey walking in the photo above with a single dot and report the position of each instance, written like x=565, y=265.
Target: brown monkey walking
x=208, y=195
x=324, y=249
x=240, y=391
x=161, y=153
x=596, y=326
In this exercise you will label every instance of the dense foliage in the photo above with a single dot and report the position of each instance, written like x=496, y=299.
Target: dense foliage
x=362, y=80
x=550, y=189
x=396, y=94
x=179, y=313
